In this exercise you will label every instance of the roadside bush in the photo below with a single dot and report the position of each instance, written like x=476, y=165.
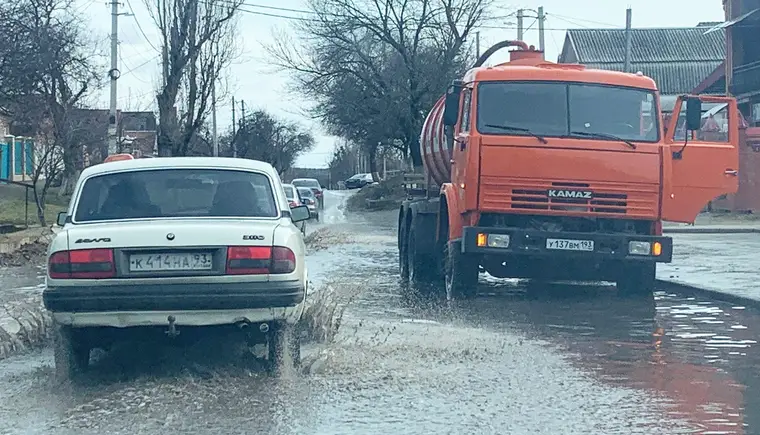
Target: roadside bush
x=385, y=195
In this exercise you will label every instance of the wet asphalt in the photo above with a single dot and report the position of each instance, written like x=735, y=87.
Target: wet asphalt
x=561, y=359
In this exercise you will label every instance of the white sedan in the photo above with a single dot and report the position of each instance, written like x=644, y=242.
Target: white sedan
x=176, y=242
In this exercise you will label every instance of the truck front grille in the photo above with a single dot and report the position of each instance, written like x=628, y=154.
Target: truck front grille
x=599, y=202
x=500, y=194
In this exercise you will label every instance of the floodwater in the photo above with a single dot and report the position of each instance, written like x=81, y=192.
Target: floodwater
x=555, y=360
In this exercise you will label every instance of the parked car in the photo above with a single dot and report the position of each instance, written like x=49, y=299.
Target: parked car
x=310, y=200
x=170, y=244
x=294, y=200
x=358, y=181
x=313, y=184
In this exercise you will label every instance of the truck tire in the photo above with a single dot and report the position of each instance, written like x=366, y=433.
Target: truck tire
x=71, y=352
x=403, y=242
x=637, y=279
x=284, y=347
x=461, y=272
x=421, y=268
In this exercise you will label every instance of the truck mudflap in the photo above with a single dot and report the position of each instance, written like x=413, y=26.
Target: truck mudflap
x=597, y=246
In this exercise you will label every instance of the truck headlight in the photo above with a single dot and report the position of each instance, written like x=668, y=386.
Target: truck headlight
x=498, y=240
x=639, y=248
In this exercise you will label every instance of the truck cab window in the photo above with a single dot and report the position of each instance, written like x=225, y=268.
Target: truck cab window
x=553, y=109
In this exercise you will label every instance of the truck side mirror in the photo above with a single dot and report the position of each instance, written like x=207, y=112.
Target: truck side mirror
x=451, y=106
x=693, y=114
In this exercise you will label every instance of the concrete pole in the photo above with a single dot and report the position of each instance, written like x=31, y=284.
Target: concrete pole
x=114, y=76
x=477, y=44
x=541, y=18
x=519, y=24
x=214, y=136
x=627, y=60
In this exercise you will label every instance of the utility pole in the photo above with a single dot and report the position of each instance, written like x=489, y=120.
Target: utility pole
x=627, y=62
x=114, y=76
x=214, y=136
x=234, y=130
x=541, y=18
x=242, y=123
x=519, y=24
x=477, y=44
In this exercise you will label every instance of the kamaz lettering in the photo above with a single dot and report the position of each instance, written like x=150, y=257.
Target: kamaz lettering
x=570, y=194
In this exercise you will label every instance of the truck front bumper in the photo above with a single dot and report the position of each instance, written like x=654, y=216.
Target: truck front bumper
x=544, y=244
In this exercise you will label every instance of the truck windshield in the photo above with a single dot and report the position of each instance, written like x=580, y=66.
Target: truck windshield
x=580, y=110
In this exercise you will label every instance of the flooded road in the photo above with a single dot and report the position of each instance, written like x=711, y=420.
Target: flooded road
x=555, y=360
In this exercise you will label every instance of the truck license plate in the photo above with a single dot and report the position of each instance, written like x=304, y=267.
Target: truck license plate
x=165, y=262
x=570, y=245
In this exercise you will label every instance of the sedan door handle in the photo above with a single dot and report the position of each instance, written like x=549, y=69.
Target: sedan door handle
x=731, y=172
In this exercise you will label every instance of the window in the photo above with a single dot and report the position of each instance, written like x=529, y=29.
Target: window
x=306, y=182
x=176, y=193
x=289, y=192
x=560, y=109
x=466, y=106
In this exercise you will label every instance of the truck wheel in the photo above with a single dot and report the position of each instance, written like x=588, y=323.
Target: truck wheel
x=461, y=272
x=420, y=268
x=637, y=279
x=71, y=352
x=284, y=347
x=403, y=244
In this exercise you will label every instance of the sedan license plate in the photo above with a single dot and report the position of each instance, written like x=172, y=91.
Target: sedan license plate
x=169, y=262
x=570, y=245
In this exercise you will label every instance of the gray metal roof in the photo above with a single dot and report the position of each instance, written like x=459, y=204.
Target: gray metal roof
x=678, y=59
x=688, y=44
x=671, y=77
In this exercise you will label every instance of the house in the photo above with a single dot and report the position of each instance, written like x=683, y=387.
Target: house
x=678, y=59
x=136, y=133
x=740, y=78
x=17, y=151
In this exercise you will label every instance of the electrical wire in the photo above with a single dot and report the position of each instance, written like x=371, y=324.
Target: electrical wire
x=139, y=27
x=566, y=18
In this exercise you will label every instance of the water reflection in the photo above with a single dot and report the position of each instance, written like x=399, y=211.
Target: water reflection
x=698, y=355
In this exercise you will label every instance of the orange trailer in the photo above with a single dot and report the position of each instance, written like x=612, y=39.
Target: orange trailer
x=540, y=170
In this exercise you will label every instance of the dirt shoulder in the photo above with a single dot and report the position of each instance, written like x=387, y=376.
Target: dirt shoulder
x=385, y=195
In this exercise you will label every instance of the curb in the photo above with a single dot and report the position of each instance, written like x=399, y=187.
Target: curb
x=23, y=324
x=718, y=230
x=712, y=293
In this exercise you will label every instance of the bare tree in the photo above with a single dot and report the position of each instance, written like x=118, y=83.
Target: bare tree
x=47, y=167
x=401, y=53
x=197, y=43
x=263, y=137
x=48, y=66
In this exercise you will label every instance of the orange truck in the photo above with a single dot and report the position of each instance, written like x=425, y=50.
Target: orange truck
x=546, y=171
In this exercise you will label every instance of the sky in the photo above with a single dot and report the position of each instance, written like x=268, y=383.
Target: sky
x=254, y=80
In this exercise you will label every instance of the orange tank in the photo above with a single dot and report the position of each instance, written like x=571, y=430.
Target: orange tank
x=433, y=143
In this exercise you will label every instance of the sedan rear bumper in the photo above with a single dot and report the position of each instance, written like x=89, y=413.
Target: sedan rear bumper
x=174, y=297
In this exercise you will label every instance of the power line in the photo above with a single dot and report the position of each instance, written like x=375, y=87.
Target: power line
x=582, y=20
x=139, y=27
x=140, y=65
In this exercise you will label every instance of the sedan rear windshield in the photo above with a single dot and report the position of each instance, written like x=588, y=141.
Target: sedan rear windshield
x=168, y=193
x=306, y=183
x=554, y=109
x=289, y=192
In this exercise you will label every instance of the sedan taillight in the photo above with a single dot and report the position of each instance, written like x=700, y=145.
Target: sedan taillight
x=292, y=204
x=82, y=264
x=260, y=260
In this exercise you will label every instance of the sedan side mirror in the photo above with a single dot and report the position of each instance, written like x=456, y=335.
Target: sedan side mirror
x=63, y=217
x=300, y=213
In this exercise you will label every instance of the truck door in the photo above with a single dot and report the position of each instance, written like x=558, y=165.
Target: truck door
x=707, y=166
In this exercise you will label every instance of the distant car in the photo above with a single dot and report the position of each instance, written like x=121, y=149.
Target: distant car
x=358, y=181
x=173, y=243
x=294, y=200
x=308, y=199
x=313, y=184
